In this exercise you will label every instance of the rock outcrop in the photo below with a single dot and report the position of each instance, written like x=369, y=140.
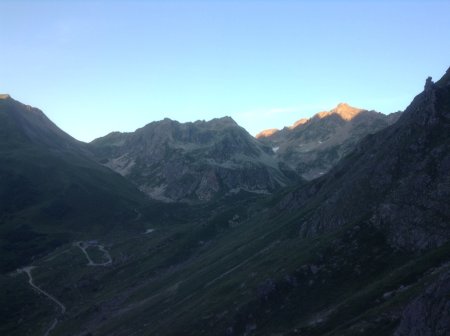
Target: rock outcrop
x=429, y=313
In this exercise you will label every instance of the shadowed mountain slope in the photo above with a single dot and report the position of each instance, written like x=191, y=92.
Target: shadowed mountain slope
x=397, y=179
x=50, y=189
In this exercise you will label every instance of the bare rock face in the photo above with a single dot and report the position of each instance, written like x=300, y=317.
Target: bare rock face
x=198, y=161
x=313, y=146
x=429, y=313
x=397, y=180
x=209, y=185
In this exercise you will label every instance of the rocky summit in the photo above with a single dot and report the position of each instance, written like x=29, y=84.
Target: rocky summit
x=313, y=146
x=197, y=161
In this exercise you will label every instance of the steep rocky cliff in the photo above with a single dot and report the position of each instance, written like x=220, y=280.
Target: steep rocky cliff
x=397, y=179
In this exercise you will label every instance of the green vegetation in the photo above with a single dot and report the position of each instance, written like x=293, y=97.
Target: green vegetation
x=342, y=255
x=180, y=277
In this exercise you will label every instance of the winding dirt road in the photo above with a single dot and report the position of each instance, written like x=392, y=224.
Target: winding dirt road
x=83, y=247
x=28, y=270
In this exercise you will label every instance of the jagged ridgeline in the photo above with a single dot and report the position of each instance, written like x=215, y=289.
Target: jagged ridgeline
x=362, y=249
x=203, y=161
x=198, y=161
x=313, y=146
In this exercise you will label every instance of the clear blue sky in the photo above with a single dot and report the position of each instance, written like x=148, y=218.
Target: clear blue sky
x=99, y=66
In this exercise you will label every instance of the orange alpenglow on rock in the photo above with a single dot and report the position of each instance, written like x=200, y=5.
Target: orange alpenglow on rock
x=298, y=123
x=266, y=133
x=344, y=110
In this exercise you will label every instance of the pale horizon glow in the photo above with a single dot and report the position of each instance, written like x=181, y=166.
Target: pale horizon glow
x=100, y=66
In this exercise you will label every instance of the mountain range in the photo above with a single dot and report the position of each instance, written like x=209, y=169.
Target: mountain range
x=205, y=160
x=338, y=225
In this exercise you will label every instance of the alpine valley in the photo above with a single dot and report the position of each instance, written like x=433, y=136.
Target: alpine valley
x=338, y=225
